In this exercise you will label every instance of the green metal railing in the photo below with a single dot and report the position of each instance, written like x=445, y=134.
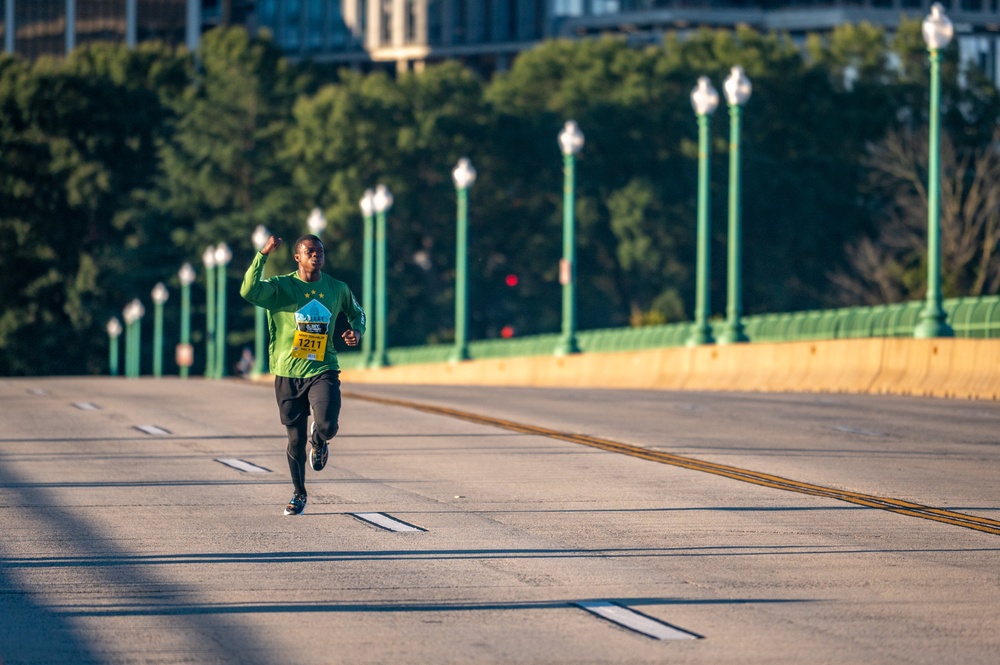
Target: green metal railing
x=970, y=317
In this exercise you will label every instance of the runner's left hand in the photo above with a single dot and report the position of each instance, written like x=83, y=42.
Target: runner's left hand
x=352, y=337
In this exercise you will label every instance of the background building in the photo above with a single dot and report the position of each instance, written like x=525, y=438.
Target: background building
x=487, y=34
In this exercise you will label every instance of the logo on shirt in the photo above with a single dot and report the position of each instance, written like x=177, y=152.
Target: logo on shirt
x=313, y=318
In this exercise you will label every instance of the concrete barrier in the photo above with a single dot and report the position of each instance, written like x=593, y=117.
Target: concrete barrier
x=966, y=368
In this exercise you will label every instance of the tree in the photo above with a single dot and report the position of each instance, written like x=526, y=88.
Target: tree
x=221, y=171
x=892, y=266
x=78, y=139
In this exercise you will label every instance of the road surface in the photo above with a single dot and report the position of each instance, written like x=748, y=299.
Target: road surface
x=141, y=522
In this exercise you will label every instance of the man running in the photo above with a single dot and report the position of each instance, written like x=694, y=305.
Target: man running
x=302, y=308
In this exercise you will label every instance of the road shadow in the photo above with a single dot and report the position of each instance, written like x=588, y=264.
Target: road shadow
x=33, y=630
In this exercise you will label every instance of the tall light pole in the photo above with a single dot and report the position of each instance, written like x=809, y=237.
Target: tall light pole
x=208, y=258
x=259, y=239
x=570, y=143
x=185, y=354
x=114, y=329
x=938, y=31
x=222, y=258
x=738, y=89
x=159, y=296
x=367, y=281
x=382, y=201
x=316, y=223
x=464, y=176
x=133, y=314
x=128, y=316
x=704, y=99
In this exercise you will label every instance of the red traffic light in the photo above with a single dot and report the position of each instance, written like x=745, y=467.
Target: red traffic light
x=510, y=280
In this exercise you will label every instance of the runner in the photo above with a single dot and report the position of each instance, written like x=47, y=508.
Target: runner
x=302, y=308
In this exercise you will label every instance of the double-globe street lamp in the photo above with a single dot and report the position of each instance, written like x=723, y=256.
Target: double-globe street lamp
x=185, y=354
x=114, y=329
x=208, y=259
x=367, y=204
x=259, y=239
x=737, y=88
x=570, y=143
x=222, y=257
x=704, y=99
x=160, y=296
x=938, y=32
x=464, y=176
x=381, y=202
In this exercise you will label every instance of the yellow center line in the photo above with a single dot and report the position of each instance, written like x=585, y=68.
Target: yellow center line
x=911, y=509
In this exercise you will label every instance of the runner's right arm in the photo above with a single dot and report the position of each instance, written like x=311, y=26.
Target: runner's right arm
x=265, y=293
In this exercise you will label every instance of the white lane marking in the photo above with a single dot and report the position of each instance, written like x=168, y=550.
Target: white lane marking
x=242, y=465
x=41, y=392
x=152, y=429
x=85, y=406
x=386, y=522
x=632, y=620
x=851, y=430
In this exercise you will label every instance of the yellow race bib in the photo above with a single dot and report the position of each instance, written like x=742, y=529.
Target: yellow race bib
x=308, y=346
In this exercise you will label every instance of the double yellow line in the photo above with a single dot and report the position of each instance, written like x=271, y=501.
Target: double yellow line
x=983, y=524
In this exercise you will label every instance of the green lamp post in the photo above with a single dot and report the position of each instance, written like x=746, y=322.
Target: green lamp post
x=738, y=89
x=133, y=314
x=208, y=258
x=128, y=314
x=464, y=176
x=704, y=99
x=938, y=32
x=222, y=258
x=114, y=329
x=160, y=296
x=367, y=204
x=185, y=354
x=259, y=239
x=381, y=201
x=570, y=142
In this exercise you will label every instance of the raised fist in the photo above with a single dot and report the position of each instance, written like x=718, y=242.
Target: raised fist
x=272, y=244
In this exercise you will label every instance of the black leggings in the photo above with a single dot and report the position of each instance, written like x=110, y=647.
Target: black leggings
x=296, y=397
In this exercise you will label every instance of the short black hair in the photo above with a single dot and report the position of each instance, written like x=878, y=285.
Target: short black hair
x=295, y=249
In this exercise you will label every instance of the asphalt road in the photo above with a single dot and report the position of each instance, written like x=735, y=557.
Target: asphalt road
x=127, y=545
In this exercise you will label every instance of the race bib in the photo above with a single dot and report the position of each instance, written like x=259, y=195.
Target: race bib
x=309, y=346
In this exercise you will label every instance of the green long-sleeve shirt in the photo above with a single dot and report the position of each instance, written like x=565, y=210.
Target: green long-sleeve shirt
x=300, y=317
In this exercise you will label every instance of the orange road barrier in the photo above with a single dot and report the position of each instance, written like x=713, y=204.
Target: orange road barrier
x=963, y=368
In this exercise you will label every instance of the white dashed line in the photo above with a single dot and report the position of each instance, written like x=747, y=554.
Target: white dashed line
x=633, y=620
x=242, y=465
x=386, y=522
x=152, y=429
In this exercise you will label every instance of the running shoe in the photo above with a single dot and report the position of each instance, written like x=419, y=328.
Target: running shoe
x=320, y=452
x=296, y=505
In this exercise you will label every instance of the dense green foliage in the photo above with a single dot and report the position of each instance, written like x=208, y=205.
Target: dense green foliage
x=116, y=166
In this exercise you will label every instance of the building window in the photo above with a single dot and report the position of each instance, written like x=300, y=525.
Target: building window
x=568, y=8
x=162, y=20
x=386, y=36
x=434, y=27
x=315, y=26
x=461, y=22
x=40, y=27
x=411, y=21
x=291, y=36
